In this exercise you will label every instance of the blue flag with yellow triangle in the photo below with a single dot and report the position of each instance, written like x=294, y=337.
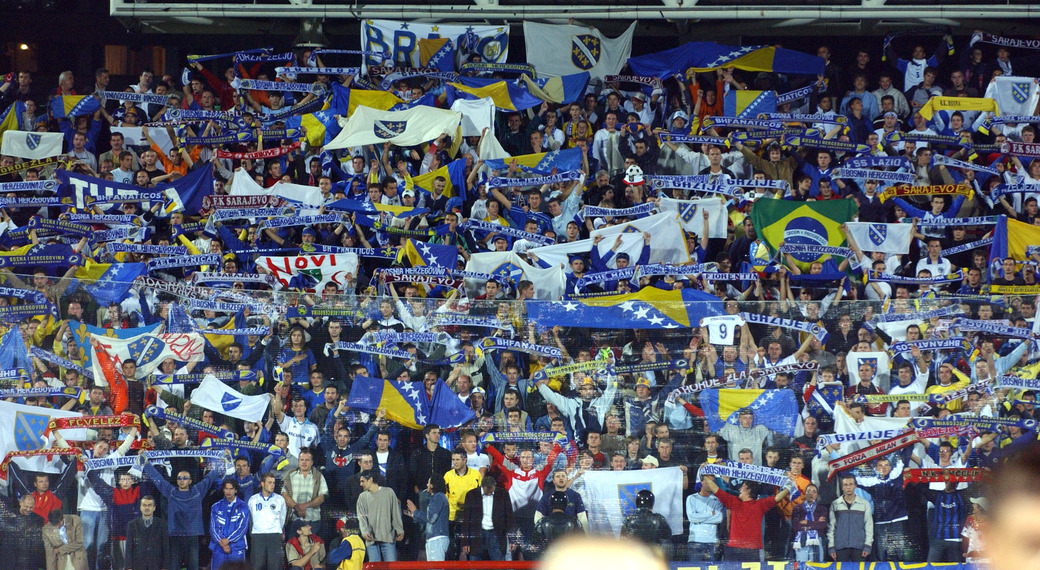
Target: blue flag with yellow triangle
x=9, y=120
x=109, y=282
x=775, y=409
x=707, y=56
x=408, y=404
x=649, y=308
x=454, y=174
x=321, y=126
x=423, y=254
x=67, y=106
x=746, y=104
x=564, y=160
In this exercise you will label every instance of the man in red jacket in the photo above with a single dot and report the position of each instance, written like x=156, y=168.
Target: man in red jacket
x=745, y=522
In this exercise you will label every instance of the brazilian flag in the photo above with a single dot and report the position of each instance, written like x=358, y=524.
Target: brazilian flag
x=802, y=223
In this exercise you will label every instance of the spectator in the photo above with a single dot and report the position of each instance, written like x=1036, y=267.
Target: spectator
x=850, y=530
x=745, y=518
x=379, y=517
x=268, y=514
x=147, y=539
x=63, y=542
x=184, y=504
x=228, y=526
x=434, y=519
x=487, y=520
x=304, y=490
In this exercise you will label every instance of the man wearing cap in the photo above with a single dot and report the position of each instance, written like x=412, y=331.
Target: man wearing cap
x=304, y=549
x=600, y=261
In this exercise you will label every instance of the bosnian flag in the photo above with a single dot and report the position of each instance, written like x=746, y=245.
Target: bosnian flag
x=214, y=395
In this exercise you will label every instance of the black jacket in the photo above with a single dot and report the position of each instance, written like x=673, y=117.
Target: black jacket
x=147, y=547
x=471, y=533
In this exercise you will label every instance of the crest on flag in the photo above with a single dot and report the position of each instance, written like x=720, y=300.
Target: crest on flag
x=878, y=233
x=627, y=496
x=871, y=362
x=145, y=349
x=389, y=129
x=32, y=140
x=1020, y=91
x=28, y=430
x=510, y=270
x=585, y=51
x=230, y=402
x=688, y=213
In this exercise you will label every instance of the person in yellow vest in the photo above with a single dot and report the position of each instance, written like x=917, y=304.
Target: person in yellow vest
x=348, y=551
x=460, y=480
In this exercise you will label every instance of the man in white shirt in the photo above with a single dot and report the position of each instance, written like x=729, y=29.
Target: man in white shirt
x=605, y=144
x=125, y=173
x=301, y=432
x=267, y=511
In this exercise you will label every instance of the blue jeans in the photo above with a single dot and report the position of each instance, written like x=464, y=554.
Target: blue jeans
x=382, y=552
x=94, y=522
x=436, y=548
x=702, y=551
x=492, y=546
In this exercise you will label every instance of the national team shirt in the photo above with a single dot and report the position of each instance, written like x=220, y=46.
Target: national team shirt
x=721, y=328
x=267, y=513
x=301, y=434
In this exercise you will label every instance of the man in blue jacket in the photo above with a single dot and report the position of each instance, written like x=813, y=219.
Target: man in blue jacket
x=228, y=524
x=182, y=512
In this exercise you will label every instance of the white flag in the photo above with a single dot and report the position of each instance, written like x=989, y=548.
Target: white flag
x=667, y=244
x=477, y=114
x=564, y=49
x=691, y=215
x=214, y=395
x=312, y=271
x=134, y=136
x=877, y=361
x=1014, y=95
x=149, y=350
x=611, y=496
x=889, y=238
x=548, y=283
x=843, y=423
x=32, y=146
x=242, y=184
x=22, y=429
x=402, y=128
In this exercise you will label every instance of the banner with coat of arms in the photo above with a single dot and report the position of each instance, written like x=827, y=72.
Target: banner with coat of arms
x=31, y=146
x=1014, y=95
x=888, y=238
x=24, y=428
x=565, y=49
x=611, y=496
x=401, y=41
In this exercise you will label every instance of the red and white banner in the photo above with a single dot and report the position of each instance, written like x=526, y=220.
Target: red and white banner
x=257, y=154
x=228, y=202
x=311, y=272
x=148, y=351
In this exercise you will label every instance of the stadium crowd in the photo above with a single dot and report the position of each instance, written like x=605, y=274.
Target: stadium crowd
x=831, y=405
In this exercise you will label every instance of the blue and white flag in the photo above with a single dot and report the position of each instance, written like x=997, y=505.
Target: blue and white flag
x=562, y=49
x=889, y=238
x=214, y=395
x=185, y=193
